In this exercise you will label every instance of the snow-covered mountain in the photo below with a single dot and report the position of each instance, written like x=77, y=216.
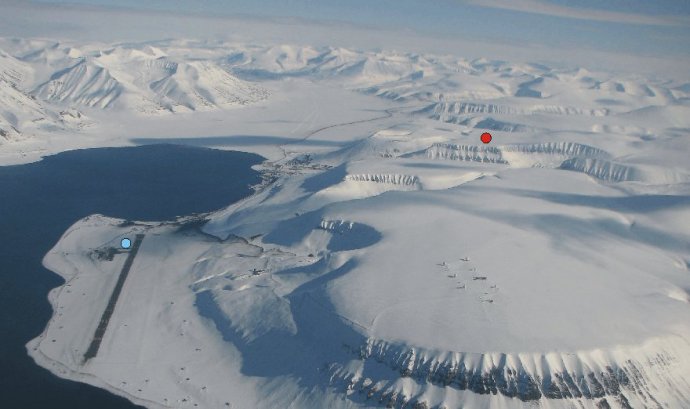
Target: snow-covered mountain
x=185, y=76
x=21, y=113
x=146, y=82
x=140, y=79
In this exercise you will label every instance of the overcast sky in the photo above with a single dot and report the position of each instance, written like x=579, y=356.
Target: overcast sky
x=658, y=27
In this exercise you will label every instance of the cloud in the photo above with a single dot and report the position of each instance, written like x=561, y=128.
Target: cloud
x=557, y=10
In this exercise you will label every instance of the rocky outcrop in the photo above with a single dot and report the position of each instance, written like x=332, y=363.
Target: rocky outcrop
x=528, y=377
x=602, y=169
x=558, y=148
x=468, y=153
x=394, y=179
x=497, y=154
x=447, y=111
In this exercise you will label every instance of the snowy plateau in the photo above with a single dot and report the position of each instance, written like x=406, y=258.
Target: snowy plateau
x=389, y=258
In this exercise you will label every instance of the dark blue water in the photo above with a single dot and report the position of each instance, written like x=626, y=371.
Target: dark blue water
x=39, y=201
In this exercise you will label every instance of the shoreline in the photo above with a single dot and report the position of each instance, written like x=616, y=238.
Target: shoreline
x=33, y=346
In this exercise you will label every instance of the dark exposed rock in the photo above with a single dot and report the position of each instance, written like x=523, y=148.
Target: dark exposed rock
x=623, y=401
x=603, y=404
x=420, y=405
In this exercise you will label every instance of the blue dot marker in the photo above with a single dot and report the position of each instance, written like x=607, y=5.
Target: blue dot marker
x=126, y=243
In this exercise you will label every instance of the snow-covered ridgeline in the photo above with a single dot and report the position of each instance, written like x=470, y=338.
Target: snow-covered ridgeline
x=444, y=110
x=602, y=169
x=496, y=154
x=394, y=179
x=159, y=82
x=557, y=148
x=571, y=156
x=470, y=153
x=626, y=375
x=610, y=171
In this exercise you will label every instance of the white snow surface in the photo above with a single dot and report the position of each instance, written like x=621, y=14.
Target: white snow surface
x=389, y=258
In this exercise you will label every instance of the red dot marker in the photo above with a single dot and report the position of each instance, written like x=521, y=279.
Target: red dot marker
x=486, y=137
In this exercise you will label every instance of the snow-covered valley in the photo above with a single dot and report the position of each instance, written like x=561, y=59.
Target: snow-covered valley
x=389, y=258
